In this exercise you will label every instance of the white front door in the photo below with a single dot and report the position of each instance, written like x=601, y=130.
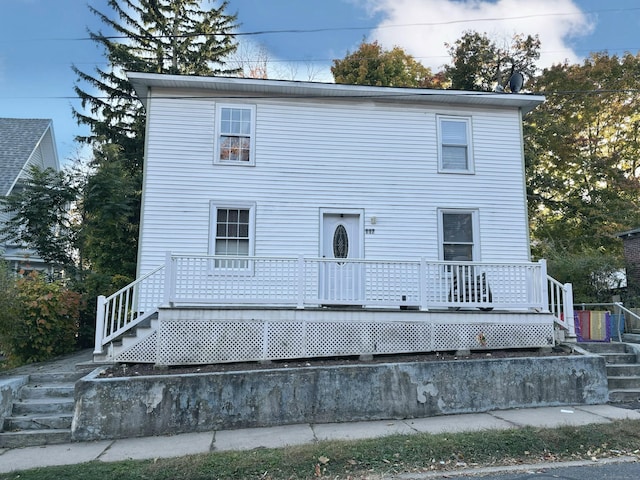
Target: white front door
x=341, y=283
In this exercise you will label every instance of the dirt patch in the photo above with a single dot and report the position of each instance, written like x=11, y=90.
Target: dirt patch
x=143, y=369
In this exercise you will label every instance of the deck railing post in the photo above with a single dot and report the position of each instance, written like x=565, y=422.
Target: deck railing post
x=169, y=281
x=99, y=324
x=567, y=307
x=422, y=284
x=544, y=286
x=301, y=281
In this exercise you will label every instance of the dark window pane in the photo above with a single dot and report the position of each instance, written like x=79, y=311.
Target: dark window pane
x=457, y=227
x=460, y=253
x=340, y=242
x=221, y=247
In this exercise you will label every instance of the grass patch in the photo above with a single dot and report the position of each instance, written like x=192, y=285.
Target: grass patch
x=371, y=458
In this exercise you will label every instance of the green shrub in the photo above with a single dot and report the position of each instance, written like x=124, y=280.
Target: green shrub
x=592, y=273
x=9, y=305
x=41, y=320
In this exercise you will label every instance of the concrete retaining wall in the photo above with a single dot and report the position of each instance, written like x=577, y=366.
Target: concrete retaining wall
x=155, y=405
x=9, y=388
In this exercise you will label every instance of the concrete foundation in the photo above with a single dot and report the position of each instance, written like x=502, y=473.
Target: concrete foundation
x=155, y=405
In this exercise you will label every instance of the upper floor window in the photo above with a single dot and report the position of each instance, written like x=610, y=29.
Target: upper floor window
x=235, y=134
x=454, y=145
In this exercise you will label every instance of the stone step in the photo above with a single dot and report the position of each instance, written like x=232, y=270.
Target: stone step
x=618, y=358
x=31, y=438
x=38, y=422
x=624, y=395
x=35, y=406
x=623, y=369
x=604, y=347
x=56, y=377
x=623, y=383
x=47, y=390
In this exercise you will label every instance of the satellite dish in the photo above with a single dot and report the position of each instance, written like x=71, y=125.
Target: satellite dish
x=515, y=82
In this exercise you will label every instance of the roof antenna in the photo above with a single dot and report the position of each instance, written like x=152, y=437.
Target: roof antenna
x=515, y=82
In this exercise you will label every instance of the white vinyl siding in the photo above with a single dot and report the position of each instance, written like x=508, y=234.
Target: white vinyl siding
x=379, y=158
x=455, y=152
x=235, y=134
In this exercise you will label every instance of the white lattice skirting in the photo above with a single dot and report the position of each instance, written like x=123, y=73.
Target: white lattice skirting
x=202, y=336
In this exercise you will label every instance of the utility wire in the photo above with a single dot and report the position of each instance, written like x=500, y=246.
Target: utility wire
x=342, y=29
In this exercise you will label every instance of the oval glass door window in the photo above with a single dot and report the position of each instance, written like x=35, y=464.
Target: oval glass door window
x=340, y=242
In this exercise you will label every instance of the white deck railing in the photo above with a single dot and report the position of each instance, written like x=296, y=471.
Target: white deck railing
x=314, y=282
x=128, y=307
x=304, y=282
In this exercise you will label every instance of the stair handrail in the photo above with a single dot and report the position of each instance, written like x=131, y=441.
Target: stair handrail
x=561, y=304
x=631, y=313
x=122, y=311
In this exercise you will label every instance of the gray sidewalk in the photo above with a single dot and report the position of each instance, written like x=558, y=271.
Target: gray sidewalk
x=276, y=437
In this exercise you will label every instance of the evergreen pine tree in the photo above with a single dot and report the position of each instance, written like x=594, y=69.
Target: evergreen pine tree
x=150, y=36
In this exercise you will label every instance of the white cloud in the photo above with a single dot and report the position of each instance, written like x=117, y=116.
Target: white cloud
x=422, y=27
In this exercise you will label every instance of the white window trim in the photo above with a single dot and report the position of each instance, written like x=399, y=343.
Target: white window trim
x=475, y=225
x=218, y=133
x=213, y=223
x=470, y=162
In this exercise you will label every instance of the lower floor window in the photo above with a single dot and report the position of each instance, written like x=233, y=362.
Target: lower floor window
x=458, y=232
x=233, y=235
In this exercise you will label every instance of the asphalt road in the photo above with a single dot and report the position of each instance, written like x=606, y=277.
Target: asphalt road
x=615, y=471
x=608, y=470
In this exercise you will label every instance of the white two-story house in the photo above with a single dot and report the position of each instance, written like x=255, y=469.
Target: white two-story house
x=290, y=219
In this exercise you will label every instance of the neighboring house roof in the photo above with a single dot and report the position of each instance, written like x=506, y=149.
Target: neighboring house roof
x=23, y=142
x=19, y=139
x=628, y=233
x=143, y=82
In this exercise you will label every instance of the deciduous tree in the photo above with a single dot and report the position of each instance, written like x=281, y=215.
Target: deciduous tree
x=479, y=63
x=582, y=151
x=372, y=65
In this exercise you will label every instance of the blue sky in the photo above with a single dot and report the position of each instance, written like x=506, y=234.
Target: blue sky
x=41, y=39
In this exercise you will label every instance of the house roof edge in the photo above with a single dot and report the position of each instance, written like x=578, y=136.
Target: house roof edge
x=142, y=82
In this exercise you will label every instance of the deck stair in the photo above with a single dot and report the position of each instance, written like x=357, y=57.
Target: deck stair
x=623, y=369
x=135, y=338
x=43, y=412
